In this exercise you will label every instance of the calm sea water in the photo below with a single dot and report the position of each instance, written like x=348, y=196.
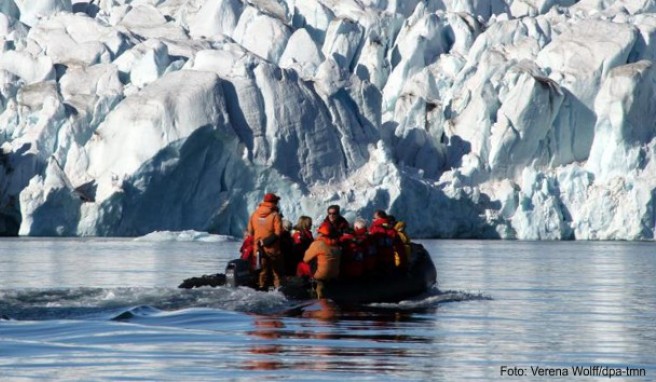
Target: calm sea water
x=109, y=309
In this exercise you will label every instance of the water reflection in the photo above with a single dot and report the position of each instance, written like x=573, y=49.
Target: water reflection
x=322, y=335
x=267, y=328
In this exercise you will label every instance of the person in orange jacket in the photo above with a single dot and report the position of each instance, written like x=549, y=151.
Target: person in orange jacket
x=265, y=225
x=325, y=249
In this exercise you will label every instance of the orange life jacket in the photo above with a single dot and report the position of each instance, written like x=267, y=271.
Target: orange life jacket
x=265, y=222
x=328, y=255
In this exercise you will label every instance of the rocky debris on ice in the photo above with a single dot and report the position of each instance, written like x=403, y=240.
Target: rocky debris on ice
x=481, y=119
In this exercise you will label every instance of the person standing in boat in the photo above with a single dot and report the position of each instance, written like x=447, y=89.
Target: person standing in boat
x=325, y=249
x=336, y=220
x=340, y=225
x=265, y=225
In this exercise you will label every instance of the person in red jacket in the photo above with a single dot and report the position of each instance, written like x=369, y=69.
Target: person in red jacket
x=352, y=263
x=366, y=246
x=383, y=236
x=356, y=246
x=265, y=225
x=301, y=240
x=339, y=224
x=247, y=252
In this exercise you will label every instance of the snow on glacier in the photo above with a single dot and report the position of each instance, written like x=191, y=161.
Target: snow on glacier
x=466, y=118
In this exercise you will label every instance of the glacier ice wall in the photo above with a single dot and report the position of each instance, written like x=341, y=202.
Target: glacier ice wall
x=466, y=118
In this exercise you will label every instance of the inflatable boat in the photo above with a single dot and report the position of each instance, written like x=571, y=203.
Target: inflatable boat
x=393, y=287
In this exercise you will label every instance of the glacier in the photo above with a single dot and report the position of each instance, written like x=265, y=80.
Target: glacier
x=508, y=119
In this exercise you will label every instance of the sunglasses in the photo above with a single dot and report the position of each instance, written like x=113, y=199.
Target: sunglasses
x=332, y=213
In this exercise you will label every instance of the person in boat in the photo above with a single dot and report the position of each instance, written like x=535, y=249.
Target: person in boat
x=366, y=245
x=336, y=220
x=301, y=239
x=287, y=246
x=265, y=225
x=400, y=258
x=325, y=249
x=247, y=252
x=383, y=236
x=353, y=252
x=404, y=248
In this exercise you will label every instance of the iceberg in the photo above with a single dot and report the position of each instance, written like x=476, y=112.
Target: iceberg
x=188, y=235
x=467, y=118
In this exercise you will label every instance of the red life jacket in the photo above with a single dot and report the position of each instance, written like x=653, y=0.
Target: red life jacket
x=303, y=270
x=383, y=236
x=301, y=242
x=303, y=238
x=366, y=245
x=340, y=225
x=247, y=251
x=352, y=265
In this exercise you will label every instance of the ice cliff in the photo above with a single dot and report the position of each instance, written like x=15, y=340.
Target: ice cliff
x=526, y=119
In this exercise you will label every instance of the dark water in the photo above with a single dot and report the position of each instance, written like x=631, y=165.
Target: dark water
x=109, y=309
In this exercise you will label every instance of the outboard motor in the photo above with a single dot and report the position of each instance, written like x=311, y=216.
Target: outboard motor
x=238, y=273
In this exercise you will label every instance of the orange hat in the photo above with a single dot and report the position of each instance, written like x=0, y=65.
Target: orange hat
x=271, y=198
x=326, y=229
